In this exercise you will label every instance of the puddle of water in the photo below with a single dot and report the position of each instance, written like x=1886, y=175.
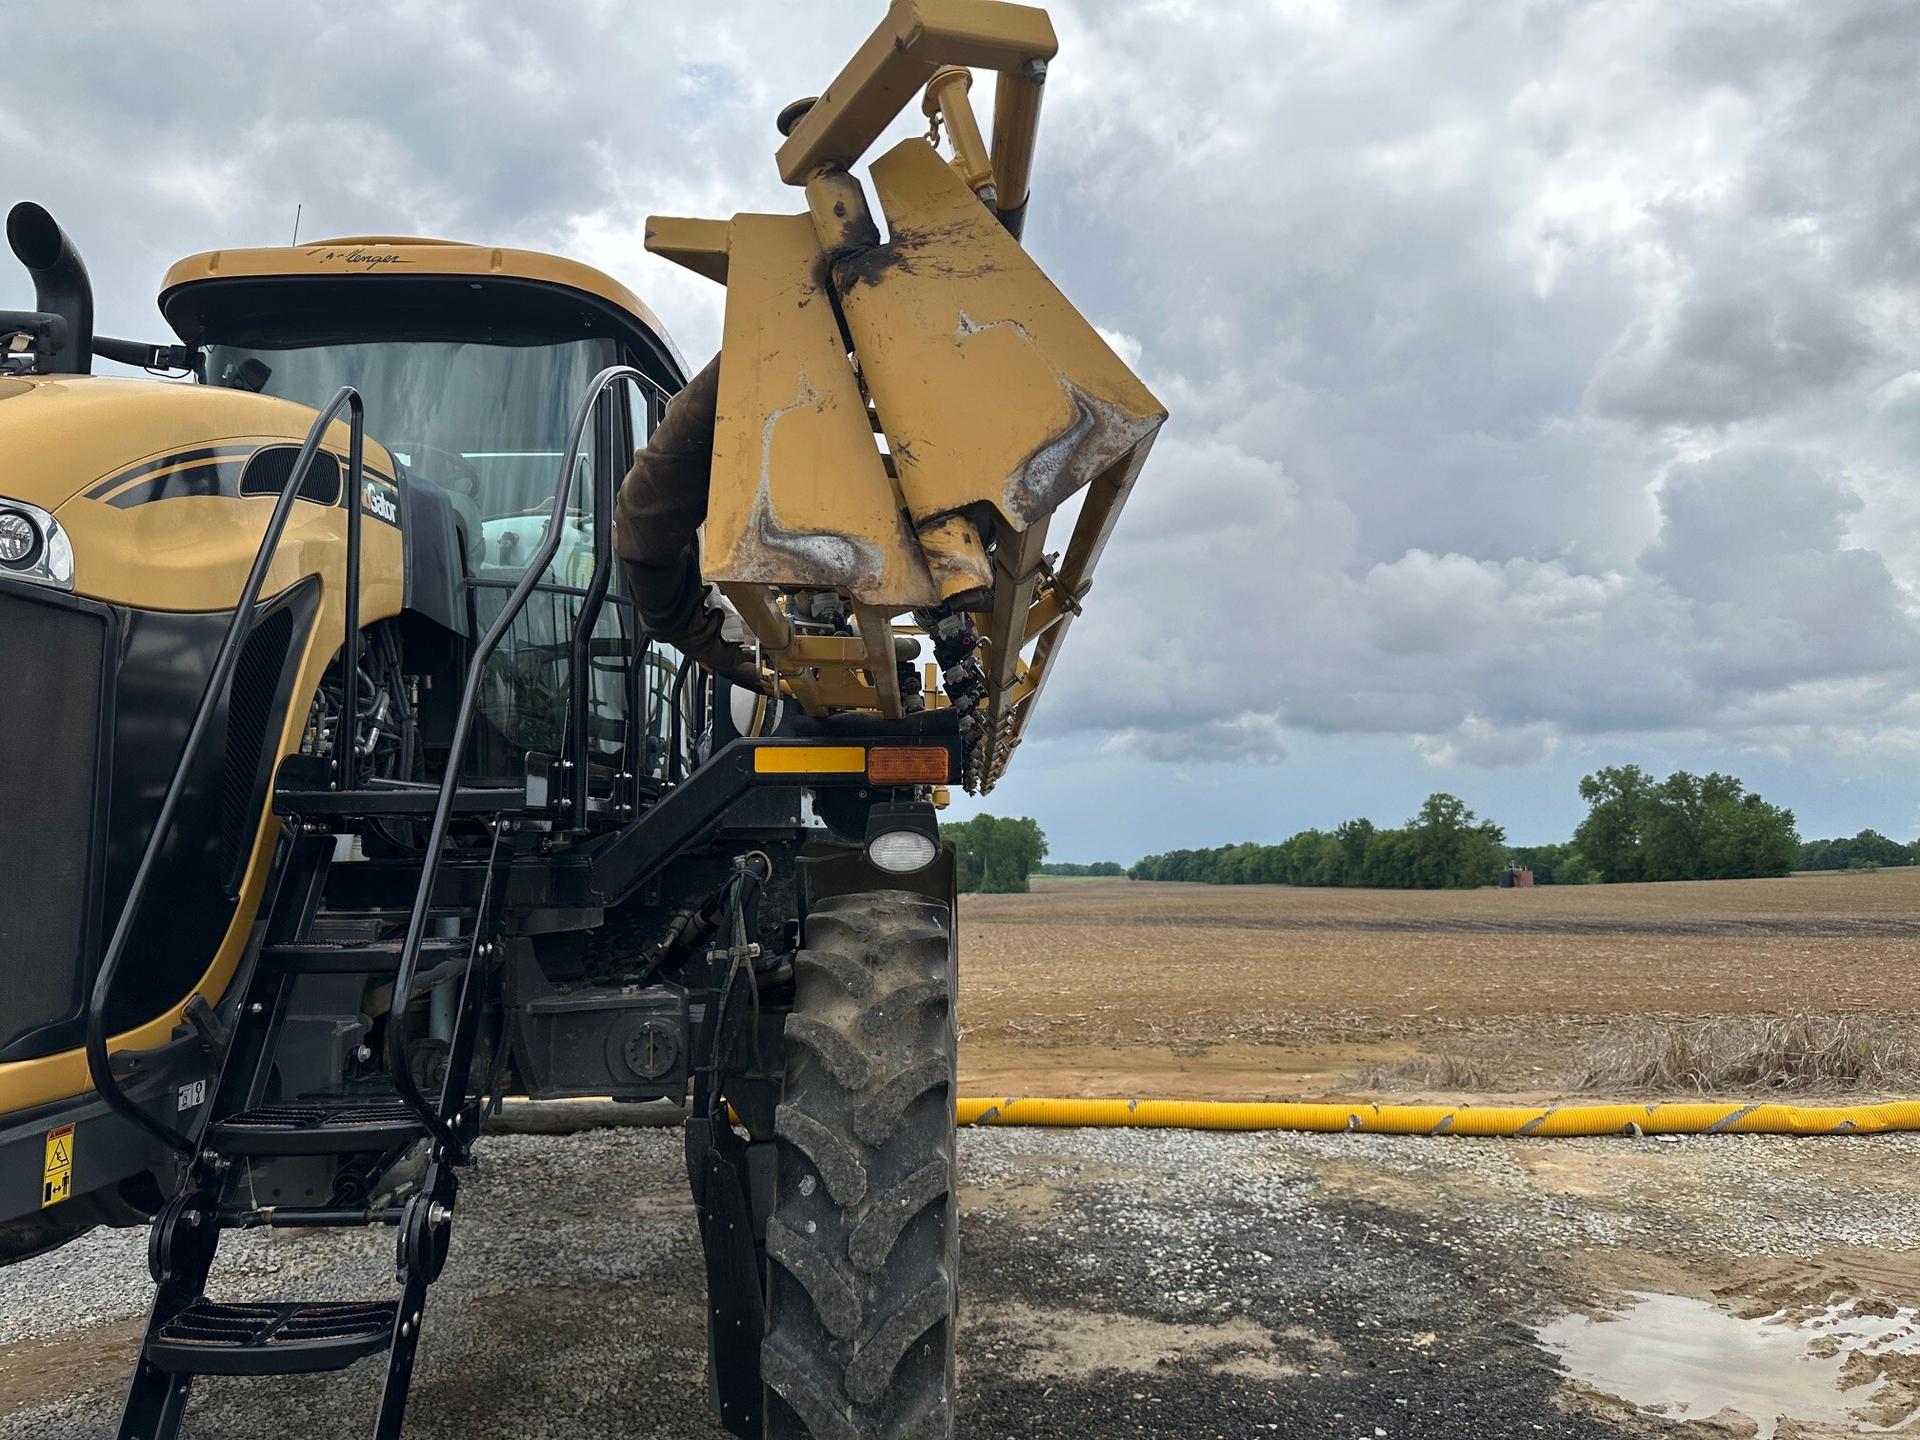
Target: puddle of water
x=1689, y=1359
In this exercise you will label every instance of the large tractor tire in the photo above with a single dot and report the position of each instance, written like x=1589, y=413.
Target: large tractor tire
x=863, y=1243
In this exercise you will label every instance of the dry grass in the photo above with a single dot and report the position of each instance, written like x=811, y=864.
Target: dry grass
x=1747, y=1054
x=1447, y=1071
x=1722, y=1055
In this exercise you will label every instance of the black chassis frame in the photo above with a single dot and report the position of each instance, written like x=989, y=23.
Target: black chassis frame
x=676, y=854
x=681, y=854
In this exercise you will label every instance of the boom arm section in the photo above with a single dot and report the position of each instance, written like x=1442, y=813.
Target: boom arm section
x=899, y=420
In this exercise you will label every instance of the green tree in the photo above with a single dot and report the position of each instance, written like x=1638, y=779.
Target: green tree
x=1390, y=861
x=1575, y=869
x=1354, y=837
x=996, y=854
x=1610, y=837
x=1686, y=827
x=1445, y=845
x=1452, y=848
x=1545, y=861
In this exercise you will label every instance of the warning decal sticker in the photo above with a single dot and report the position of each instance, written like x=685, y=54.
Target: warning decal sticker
x=57, y=1183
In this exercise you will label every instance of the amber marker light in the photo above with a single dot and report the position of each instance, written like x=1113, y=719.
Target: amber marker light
x=907, y=765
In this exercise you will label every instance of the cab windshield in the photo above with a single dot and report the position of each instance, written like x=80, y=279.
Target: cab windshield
x=486, y=422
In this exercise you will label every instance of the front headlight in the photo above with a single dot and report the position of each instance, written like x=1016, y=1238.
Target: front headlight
x=19, y=539
x=33, y=546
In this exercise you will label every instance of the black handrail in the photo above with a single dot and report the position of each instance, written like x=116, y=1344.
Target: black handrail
x=435, y=1118
x=575, y=762
x=99, y=1065
x=592, y=603
x=346, y=730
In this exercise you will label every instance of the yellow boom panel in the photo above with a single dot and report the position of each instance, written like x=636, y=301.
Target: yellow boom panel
x=899, y=420
x=806, y=500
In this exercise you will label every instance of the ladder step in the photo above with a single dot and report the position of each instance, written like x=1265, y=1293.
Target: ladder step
x=315, y=1128
x=421, y=802
x=213, y=1338
x=356, y=957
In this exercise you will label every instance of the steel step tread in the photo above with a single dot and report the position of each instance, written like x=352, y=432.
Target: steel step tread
x=352, y=957
x=212, y=1337
x=419, y=802
x=317, y=1127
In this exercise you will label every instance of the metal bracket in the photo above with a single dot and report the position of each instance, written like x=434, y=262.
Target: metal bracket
x=215, y=1035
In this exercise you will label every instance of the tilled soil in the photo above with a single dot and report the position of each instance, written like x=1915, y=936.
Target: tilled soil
x=1275, y=992
x=1117, y=1284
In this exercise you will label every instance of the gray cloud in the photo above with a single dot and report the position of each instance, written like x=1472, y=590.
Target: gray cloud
x=1743, y=342
x=1538, y=372
x=1475, y=742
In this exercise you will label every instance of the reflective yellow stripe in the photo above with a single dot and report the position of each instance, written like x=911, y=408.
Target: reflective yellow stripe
x=810, y=760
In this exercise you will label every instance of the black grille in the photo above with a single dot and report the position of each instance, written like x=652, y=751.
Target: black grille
x=267, y=471
x=50, y=656
x=250, y=705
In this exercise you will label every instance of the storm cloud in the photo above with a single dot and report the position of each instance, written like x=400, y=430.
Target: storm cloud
x=1545, y=377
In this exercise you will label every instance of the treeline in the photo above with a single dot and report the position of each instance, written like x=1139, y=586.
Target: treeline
x=1444, y=847
x=994, y=854
x=1686, y=827
x=1866, y=851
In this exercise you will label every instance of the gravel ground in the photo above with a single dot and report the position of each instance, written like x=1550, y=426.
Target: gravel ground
x=1117, y=1283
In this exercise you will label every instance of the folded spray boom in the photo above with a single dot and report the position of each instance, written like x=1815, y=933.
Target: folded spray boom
x=899, y=419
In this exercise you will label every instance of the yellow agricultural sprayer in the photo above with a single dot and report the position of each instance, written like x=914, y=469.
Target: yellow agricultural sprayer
x=355, y=782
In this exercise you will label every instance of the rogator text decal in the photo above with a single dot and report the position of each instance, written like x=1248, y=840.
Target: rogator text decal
x=380, y=500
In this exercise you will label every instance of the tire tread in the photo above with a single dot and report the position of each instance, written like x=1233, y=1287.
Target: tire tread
x=862, y=1283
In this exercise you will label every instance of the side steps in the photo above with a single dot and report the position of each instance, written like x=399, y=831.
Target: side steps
x=189, y=1334
x=315, y=1129
x=211, y=1338
x=248, y=1123
x=351, y=957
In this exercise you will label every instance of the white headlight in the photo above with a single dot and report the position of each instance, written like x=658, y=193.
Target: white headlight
x=901, y=852
x=33, y=546
x=19, y=538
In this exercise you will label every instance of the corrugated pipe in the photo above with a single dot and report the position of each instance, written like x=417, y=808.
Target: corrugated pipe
x=1662, y=1118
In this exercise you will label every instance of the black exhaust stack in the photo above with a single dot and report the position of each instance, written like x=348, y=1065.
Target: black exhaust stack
x=60, y=284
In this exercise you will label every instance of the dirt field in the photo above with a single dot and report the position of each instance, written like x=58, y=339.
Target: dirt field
x=1089, y=987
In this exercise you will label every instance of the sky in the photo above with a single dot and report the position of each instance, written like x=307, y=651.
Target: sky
x=1544, y=376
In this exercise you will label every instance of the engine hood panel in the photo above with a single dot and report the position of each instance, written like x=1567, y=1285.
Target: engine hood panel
x=61, y=435
x=143, y=476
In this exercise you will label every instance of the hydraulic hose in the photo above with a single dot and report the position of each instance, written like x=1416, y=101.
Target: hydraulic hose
x=1654, y=1118
x=661, y=505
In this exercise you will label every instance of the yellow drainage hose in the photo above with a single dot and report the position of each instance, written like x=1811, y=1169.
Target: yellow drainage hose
x=1688, y=1118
